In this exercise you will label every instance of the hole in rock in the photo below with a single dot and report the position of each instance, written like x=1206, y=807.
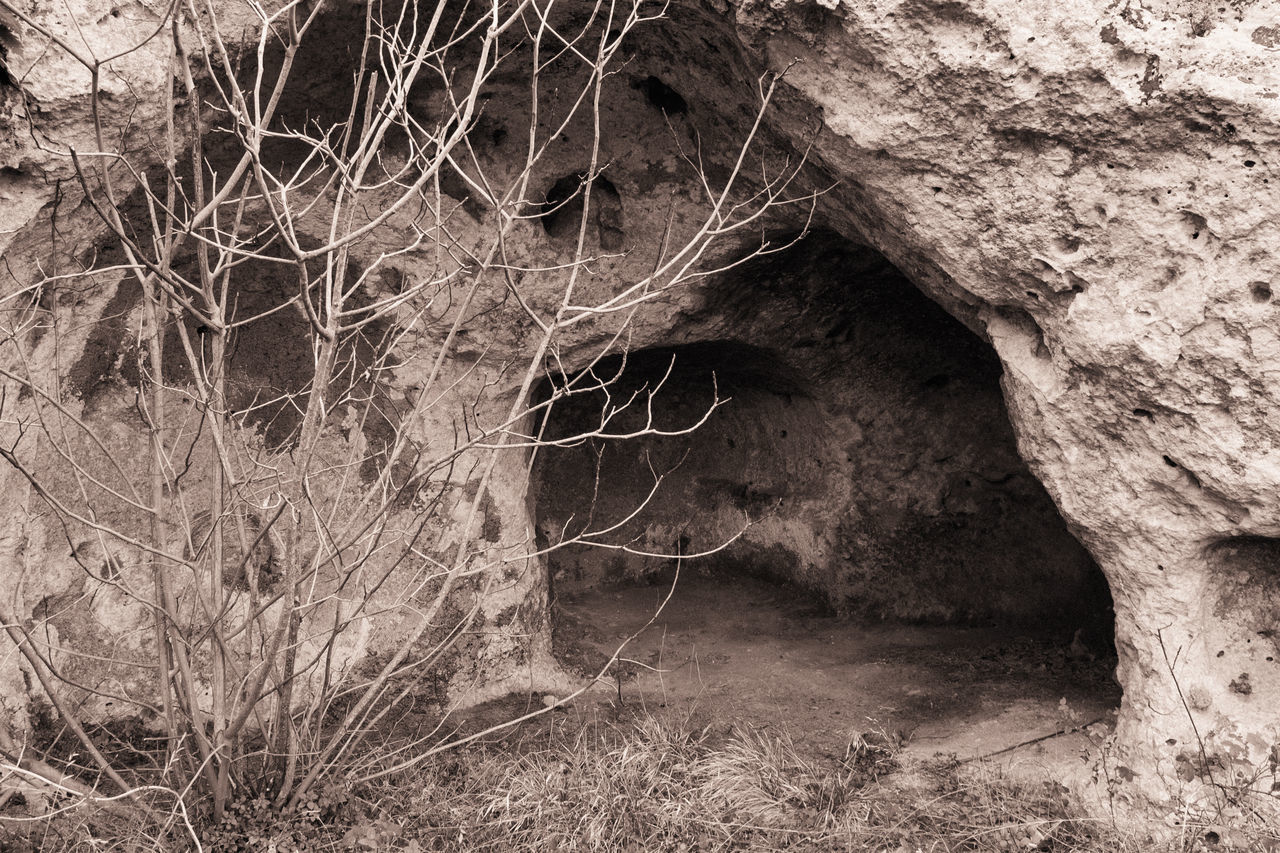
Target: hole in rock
x=562, y=211
x=6, y=41
x=1246, y=573
x=891, y=563
x=661, y=96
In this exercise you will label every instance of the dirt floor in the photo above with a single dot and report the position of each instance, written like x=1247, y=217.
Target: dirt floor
x=745, y=650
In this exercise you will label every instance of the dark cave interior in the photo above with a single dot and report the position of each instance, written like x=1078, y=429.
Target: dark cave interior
x=829, y=519
x=833, y=428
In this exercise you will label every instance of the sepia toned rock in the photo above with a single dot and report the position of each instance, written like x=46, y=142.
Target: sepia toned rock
x=1018, y=360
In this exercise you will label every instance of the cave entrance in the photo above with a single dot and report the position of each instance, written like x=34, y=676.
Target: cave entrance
x=858, y=542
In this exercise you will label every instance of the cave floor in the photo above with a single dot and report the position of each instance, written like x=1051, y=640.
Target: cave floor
x=742, y=650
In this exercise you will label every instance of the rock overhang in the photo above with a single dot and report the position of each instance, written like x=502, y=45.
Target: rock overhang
x=1087, y=187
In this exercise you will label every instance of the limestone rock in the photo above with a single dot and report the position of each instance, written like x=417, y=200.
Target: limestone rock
x=1085, y=185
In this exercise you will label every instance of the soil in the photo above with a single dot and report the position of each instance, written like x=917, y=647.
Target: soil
x=737, y=649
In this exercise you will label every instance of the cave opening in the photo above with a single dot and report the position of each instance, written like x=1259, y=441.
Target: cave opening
x=830, y=518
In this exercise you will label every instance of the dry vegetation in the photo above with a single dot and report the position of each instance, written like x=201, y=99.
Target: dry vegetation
x=285, y=469
x=227, y=539
x=627, y=780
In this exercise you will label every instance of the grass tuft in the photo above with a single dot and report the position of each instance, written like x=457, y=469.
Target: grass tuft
x=650, y=783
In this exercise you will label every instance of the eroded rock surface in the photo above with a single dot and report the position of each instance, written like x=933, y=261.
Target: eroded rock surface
x=1086, y=186
x=1108, y=168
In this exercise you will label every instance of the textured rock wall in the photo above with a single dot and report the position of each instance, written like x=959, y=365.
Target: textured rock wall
x=1085, y=185
x=1109, y=168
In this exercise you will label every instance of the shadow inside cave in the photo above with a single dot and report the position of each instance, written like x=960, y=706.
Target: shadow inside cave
x=872, y=549
x=747, y=650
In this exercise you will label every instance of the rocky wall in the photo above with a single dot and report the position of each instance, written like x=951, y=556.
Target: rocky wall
x=1086, y=186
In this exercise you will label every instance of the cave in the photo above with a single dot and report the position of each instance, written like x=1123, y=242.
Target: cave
x=873, y=472
x=827, y=518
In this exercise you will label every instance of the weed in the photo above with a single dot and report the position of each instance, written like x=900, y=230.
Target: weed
x=626, y=780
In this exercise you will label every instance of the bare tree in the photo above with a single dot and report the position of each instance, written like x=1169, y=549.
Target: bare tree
x=264, y=516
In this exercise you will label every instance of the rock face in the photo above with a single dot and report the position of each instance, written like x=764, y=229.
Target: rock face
x=1108, y=168
x=1084, y=186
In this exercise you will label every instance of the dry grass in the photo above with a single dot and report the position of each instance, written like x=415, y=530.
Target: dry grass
x=605, y=782
x=673, y=784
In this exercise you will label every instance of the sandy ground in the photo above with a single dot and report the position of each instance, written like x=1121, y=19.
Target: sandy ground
x=744, y=650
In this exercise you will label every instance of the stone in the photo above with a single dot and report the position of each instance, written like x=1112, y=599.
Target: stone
x=1085, y=187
